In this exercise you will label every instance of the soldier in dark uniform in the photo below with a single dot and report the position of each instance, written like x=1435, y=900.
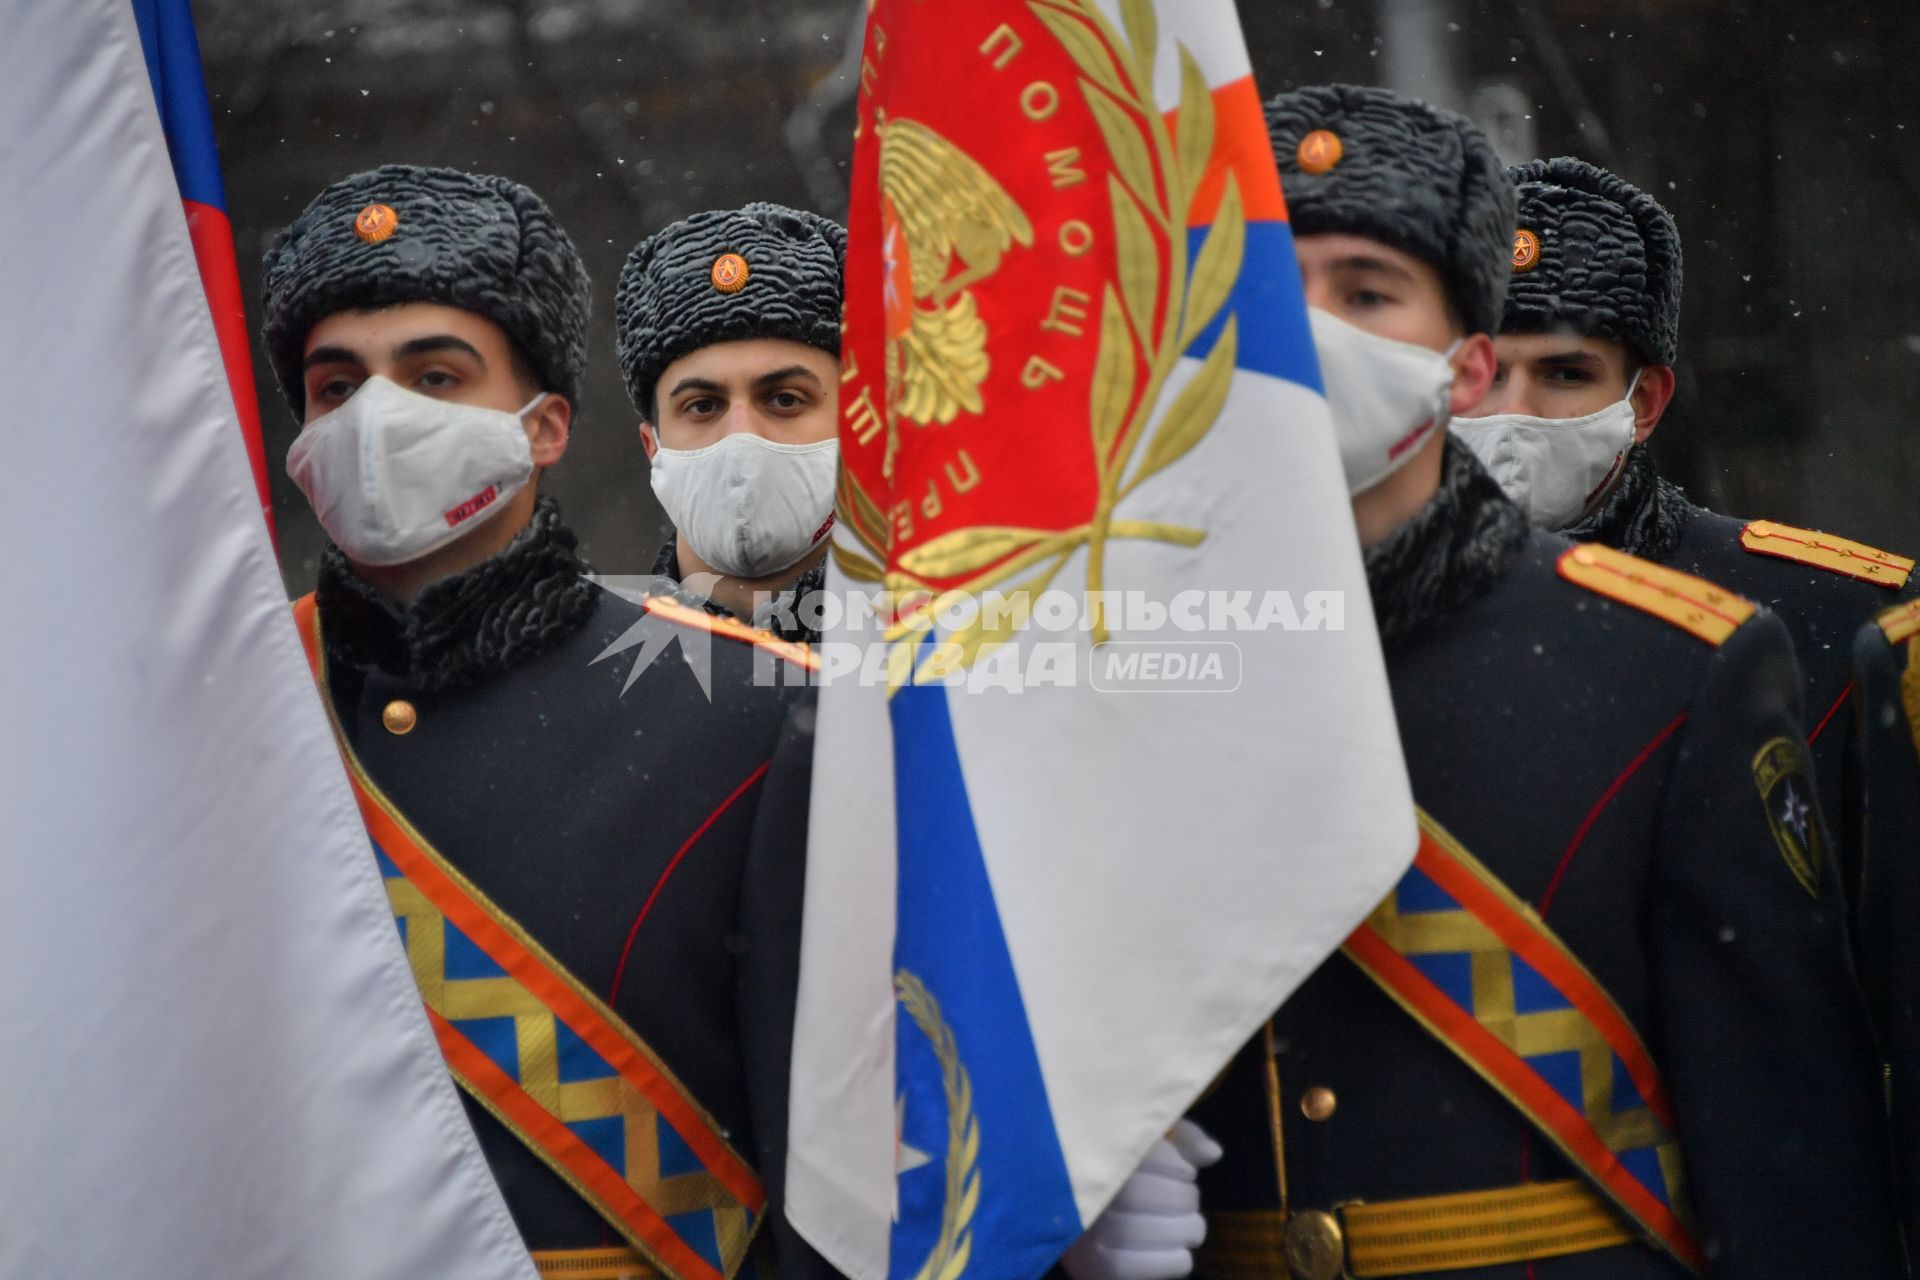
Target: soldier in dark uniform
x=729, y=337
x=1601, y=1029
x=1587, y=345
x=1884, y=761
x=610, y=786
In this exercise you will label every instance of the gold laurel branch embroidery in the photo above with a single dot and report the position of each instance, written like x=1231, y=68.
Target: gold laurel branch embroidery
x=965, y=552
x=996, y=616
x=861, y=518
x=1113, y=376
x=857, y=566
x=1143, y=30
x=1217, y=267
x=1157, y=176
x=1145, y=326
x=1193, y=137
x=860, y=513
x=952, y=1249
x=1193, y=411
x=1137, y=256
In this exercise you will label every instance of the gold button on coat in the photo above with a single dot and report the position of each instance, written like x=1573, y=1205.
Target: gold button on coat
x=1318, y=1103
x=399, y=716
x=1316, y=1247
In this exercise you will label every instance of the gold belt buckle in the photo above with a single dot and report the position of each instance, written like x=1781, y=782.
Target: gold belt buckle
x=1315, y=1245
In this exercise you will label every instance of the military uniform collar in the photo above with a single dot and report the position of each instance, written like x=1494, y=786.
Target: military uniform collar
x=1453, y=550
x=667, y=565
x=466, y=628
x=1643, y=516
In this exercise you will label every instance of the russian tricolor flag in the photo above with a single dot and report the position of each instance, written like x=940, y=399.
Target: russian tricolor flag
x=179, y=90
x=213, y=1056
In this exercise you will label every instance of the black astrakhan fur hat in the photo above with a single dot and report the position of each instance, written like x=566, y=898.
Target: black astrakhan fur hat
x=403, y=233
x=1597, y=255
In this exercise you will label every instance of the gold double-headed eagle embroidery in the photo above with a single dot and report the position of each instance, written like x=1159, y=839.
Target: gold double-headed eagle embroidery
x=945, y=206
x=939, y=207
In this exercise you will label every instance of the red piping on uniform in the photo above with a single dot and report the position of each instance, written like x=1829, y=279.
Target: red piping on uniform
x=1837, y=704
x=1600, y=805
x=613, y=991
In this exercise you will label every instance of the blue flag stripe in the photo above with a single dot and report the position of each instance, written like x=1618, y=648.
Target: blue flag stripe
x=949, y=938
x=1275, y=338
x=173, y=65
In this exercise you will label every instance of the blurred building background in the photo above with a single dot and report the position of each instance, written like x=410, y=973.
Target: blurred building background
x=1784, y=136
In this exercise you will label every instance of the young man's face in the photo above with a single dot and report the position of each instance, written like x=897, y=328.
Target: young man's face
x=1550, y=375
x=1372, y=286
x=785, y=392
x=1392, y=294
x=441, y=352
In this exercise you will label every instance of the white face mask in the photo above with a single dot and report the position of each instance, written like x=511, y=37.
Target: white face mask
x=394, y=475
x=1387, y=397
x=1556, y=469
x=747, y=506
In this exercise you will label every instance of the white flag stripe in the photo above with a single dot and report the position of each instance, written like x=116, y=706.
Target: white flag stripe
x=213, y=1060
x=1154, y=789
x=841, y=1125
x=1210, y=29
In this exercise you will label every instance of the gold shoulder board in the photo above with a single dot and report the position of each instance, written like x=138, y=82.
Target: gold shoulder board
x=1690, y=603
x=733, y=628
x=1824, y=551
x=1900, y=623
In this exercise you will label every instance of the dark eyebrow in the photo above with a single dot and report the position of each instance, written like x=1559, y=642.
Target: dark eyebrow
x=437, y=342
x=1571, y=359
x=329, y=355
x=792, y=371
x=695, y=384
x=1363, y=262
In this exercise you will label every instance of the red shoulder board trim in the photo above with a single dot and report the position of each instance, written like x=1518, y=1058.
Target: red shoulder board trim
x=688, y=616
x=1824, y=551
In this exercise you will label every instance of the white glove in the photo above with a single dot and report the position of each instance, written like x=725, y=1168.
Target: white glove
x=1153, y=1226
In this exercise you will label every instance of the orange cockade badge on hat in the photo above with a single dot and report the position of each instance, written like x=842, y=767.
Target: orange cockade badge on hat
x=1526, y=250
x=730, y=273
x=375, y=223
x=1320, y=151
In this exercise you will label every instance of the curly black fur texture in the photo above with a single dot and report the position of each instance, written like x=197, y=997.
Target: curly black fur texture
x=1452, y=552
x=1643, y=516
x=1419, y=178
x=473, y=241
x=1609, y=263
x=667, y=306
x=463, y=629
x=782, y=619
